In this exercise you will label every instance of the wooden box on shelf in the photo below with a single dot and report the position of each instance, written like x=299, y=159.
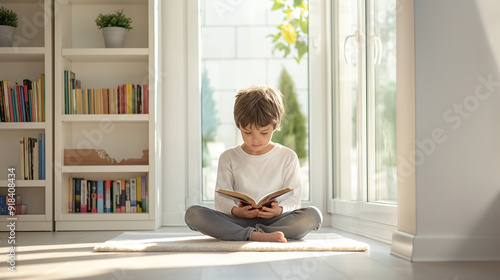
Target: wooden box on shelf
x=100, y=157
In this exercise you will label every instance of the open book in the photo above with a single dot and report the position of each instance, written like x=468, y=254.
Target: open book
x=247, y=200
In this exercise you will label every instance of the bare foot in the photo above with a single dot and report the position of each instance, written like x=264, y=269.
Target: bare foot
x=276, y=236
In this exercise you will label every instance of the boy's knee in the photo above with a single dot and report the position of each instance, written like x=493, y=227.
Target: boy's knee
x=192, y=213
x=314, y=216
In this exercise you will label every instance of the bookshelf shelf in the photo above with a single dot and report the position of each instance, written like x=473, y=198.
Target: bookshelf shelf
x=106, y=216
x=79, y=49
x=24, y=183
x=105, y=169
x=106, y=55
x=31, y=56
x=100, y=118
x=22, y=125
x=106, y=2
x=28, y=222
x=25, y=218
x=22, y=54
x=20, y=1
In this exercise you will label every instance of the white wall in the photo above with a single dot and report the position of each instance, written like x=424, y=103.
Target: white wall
x=175, y=119
x=457, y=134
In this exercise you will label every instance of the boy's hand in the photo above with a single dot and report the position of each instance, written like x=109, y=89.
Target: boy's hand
x=269, y=212
x=243, y=211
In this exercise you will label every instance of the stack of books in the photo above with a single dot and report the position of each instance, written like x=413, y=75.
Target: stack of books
x=124, y=99
x=32, y=153
x=17, y=209
x=108, y=196
x=22, y=103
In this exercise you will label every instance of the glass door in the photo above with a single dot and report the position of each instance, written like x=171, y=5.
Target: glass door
x=364, y=111
x=348, y=99
x=381, y=92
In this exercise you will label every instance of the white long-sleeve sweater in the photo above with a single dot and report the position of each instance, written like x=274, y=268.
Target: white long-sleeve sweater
x=258, y=175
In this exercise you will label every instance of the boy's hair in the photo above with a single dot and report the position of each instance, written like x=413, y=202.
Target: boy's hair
x=259, y=106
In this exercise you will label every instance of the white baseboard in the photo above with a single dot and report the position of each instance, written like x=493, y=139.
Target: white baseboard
x=402, y=245
x=418, y=248
x=377, y=231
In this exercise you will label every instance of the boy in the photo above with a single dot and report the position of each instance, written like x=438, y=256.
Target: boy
x=257, y=167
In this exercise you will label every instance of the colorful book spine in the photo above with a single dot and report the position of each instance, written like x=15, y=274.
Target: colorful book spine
x=70, y=195
x=138, y=195
x=43, y=157
x=94, y=197
x=129, y=98
x=118, y=196
x=107, y=196
x=123, y=197
x=127, y=197
x=100, y=196
x=3, y=205
x=113, y=197
x=133, y=195
x=143, y=193
x=146, y=99
x=73, y=198
x=77, y=183
x=89, y=196
x=84, y=196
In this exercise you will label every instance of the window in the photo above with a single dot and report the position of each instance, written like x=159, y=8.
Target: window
x=248, y=42
x=364, y=110
x=381, y=87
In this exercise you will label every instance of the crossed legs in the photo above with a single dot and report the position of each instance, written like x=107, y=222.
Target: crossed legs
x=290, y=225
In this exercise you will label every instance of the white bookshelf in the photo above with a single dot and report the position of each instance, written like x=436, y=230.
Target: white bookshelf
x=30, y=57
x=79, y=47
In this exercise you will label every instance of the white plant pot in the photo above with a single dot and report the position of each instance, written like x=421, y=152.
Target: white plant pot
x=114, y=36
x=6, y=35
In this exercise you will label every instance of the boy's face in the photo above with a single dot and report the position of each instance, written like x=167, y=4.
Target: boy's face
x=257, y=140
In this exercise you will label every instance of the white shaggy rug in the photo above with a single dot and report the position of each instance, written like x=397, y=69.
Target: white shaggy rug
x=165, y=242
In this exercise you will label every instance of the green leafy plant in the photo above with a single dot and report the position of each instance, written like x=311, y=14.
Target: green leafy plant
x=8, y=17
x=293, y=32
x=293, y=133
x=116, y=19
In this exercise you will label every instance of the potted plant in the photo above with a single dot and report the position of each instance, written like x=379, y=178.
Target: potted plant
x=8, y=24
x=114, y=27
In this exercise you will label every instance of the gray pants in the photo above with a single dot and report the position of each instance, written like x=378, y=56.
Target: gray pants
x=294, y=224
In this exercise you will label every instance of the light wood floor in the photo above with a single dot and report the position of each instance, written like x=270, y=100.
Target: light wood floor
x=69, y=255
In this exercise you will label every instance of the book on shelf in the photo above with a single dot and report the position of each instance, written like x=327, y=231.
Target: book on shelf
x=93, y=200
x=83, y=196
x=133, y=195
x=127, y=197
x=124, y=99
x=70, y=196
x=123, y=197
x=247, y=200
x=12, y=205
x=78, y=188
x=143, y=194
x=100, y=196
x=138, y=194
x=32, y=157
x=107, y=196
x=22, y=102
x=117, y=195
